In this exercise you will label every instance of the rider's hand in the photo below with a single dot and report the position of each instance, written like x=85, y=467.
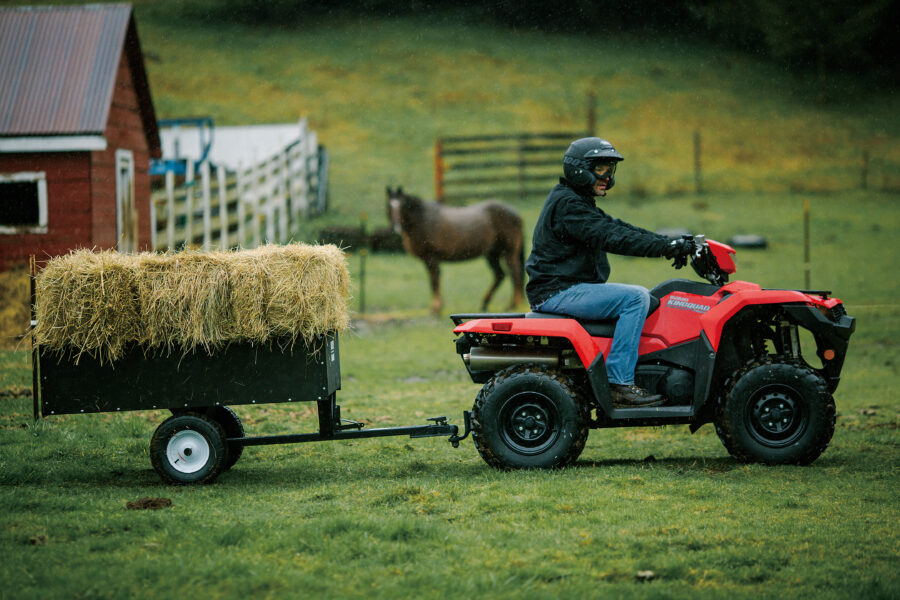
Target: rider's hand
x=679, y=250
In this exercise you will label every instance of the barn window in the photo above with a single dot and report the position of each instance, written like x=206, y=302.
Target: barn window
x=23, y=203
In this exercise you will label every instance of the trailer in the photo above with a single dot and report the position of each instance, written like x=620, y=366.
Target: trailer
x=204, y=437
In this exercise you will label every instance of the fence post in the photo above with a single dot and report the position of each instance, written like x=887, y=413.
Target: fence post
x=270, y=223
x=282, y=185
x=207, y=205
x=363, y=253
x=698, y=174
x=170, y=210
x=438, y=171
x=223, y=206
x=241, y=211
x=189, y=204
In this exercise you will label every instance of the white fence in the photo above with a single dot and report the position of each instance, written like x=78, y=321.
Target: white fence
x=222, y=207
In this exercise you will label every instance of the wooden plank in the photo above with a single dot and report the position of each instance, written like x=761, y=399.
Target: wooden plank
x=467, y=139
x=494, y=179
x=500, y=164
x=527, y=149
x=170, y=203
x=206, y=205
x=189, y=202
x=223, y=207
x=484, y=195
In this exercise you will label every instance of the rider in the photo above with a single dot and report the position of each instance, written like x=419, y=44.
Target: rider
x=568, y=268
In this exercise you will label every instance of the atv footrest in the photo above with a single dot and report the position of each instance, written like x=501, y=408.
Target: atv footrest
x=652, y=412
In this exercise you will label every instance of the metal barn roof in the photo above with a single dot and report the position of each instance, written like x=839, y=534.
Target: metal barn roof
x=58, y=67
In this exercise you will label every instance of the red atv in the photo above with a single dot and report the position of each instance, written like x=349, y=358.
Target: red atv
x=723, y=353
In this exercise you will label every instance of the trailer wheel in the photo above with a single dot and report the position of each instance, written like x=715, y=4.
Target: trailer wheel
x=776, y=413
x=527, y=417
x=188, y=449
x=232, y=426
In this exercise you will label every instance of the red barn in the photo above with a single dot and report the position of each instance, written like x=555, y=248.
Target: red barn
x=77, y=131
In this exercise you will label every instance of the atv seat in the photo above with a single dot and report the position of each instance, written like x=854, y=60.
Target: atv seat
x=595, y=328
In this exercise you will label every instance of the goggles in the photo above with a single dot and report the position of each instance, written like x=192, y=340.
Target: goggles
x=604, y=170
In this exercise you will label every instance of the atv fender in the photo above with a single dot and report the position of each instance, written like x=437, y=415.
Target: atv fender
x=714, y=321
x=584, y=345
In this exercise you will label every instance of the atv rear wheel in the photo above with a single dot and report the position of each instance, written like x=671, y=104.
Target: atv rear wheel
x=528, y=417
x=776, y=413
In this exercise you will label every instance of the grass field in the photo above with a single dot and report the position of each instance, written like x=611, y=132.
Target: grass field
x=399, y=517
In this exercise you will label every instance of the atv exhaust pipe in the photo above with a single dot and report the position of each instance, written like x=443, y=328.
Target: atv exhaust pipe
x=492, y=359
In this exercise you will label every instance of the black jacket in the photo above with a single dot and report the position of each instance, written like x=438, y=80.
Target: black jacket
x=571, y=239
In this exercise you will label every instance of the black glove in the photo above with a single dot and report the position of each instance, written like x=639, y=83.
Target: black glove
x=679, y=250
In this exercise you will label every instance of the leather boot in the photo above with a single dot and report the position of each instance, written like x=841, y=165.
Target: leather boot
x=631, y=396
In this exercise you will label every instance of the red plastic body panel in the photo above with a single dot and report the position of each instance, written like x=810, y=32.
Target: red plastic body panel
x=585, y=346
x=681, y=317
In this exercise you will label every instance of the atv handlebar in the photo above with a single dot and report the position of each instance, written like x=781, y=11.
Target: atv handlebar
x=711, y=260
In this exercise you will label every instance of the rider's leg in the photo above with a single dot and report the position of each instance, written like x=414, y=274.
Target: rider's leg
x=608, y=301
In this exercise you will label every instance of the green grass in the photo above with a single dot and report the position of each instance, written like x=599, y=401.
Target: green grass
x=399, y=517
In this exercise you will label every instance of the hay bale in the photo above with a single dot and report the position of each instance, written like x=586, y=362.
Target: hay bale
x=301, y=286
x=99, y=303
x=249, y=276
x=87, y=302
x=185, y=301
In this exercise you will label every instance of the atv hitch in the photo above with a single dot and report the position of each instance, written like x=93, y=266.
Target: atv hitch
x=455, y=439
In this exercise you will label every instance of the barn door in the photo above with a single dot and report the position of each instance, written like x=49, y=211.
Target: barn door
x=126, y=210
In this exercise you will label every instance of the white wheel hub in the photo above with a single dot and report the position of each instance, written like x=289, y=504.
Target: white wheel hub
x=187, y=451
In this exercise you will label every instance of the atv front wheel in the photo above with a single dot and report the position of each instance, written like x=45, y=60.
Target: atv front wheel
x=527, y=417
x=776, y=413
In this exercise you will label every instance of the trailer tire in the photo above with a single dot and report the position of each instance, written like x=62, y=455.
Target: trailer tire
x=232, y=426
x=527, y=417
x=776, y=412
x=188, y=448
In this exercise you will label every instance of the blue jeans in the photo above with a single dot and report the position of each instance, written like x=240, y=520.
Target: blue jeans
x=599, y=301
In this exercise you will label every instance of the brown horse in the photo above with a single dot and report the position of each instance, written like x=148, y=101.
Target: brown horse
x=436, y=233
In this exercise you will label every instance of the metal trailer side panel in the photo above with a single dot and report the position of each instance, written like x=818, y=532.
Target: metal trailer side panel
x=239, y=374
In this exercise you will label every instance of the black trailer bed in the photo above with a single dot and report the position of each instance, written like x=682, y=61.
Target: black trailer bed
x=143, y=380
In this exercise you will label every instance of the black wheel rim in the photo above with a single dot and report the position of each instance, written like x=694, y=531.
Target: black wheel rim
x=776, y=417
x=529, y=423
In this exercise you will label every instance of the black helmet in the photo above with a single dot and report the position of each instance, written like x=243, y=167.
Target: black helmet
x=583, y=155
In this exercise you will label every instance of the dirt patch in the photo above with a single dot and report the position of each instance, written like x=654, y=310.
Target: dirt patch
x=149, y=504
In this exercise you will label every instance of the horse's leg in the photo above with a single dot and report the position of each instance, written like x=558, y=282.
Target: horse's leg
x=493, y=259
x=515, y=259
x=434, y=272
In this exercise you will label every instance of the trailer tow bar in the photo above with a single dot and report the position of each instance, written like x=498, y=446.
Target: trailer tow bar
x=332, y=427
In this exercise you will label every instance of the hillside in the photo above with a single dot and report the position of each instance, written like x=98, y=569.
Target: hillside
x=379, y=92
